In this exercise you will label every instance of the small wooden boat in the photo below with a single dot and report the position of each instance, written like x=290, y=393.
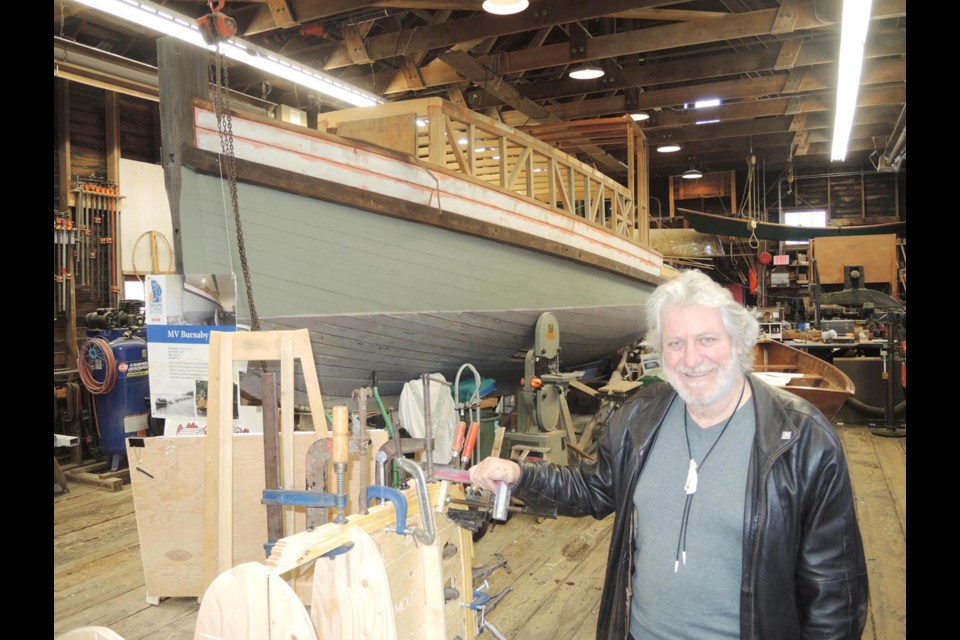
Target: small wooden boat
x=811, y=378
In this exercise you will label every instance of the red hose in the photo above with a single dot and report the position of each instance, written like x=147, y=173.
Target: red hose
x=92, y=351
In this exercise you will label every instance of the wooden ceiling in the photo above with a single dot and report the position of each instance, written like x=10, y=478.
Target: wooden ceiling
x=772, y=63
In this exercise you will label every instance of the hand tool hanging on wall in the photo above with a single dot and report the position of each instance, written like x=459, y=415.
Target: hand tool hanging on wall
x=98, y=227
x=64, y=238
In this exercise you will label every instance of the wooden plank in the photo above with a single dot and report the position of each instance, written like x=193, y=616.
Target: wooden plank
x=95, y=542
x=892, y=456
x=537, y=577
x=82, y=514
x=288, y=461
x=569, y=605
x=304, y=350
x=884, y=541
x=69, y=582
x=94, y=590
x=172, y=615
x=111, y=484
x=397, y=132
x=105, y=612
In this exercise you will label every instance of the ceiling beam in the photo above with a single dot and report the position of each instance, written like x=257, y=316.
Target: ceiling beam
x=260, y=19
x=646, y=40
x=814, y=79
x=488, y=80
x=810, y=51
x=868, y=96
x=484, y=25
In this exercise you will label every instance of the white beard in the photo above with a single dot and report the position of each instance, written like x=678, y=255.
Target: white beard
x=703, y=395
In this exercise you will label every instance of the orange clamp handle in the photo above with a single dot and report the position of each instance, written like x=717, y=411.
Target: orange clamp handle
x=471, y=441
x=458, y=436
x=536, y=383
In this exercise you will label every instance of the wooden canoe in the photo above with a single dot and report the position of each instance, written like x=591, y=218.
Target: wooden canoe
x=811, y=378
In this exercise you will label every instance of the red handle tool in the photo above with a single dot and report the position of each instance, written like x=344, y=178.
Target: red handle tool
x=470, y=443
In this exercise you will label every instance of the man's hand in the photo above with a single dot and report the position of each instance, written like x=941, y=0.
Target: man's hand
x=491, y=471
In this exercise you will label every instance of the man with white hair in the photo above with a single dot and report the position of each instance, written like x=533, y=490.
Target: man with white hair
x=734, y=510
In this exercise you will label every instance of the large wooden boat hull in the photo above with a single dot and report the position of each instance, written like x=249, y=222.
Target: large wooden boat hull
x=822, y=384
x=335, y=228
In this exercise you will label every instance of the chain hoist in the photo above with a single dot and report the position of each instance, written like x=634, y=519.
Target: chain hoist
x=221, y=105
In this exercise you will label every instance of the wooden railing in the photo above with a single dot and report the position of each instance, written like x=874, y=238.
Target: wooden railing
x=453, y=138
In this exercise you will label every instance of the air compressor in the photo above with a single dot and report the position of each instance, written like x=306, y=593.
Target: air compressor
x=112, y=364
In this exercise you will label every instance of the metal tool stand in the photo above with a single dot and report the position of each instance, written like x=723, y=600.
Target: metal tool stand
x=891, y=427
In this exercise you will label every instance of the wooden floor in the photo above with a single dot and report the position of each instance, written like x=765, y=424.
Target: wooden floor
x=556, y=565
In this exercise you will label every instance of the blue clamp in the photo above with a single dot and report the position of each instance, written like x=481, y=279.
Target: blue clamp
x=289, y=497
x=382, y=492
x=480, y=600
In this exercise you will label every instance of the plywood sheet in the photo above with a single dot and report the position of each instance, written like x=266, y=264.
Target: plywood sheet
x=393, y=132
x=169, y=505
x=877, y=254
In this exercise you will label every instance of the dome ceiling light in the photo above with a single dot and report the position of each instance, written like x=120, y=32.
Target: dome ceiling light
x=505, y=7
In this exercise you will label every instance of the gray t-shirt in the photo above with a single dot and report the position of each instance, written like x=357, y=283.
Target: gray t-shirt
x=701, y=600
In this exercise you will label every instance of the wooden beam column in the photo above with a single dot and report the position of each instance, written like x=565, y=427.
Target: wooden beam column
x=182, y=74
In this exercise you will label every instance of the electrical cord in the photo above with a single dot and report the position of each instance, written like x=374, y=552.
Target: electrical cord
x=92, y=352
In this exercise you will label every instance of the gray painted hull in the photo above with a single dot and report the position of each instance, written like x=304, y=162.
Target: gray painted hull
x=401, y=298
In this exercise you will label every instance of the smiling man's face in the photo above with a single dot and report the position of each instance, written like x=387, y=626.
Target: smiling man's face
x=699, y=358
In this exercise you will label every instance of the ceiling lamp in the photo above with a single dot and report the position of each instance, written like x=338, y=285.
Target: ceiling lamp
x=505, y=7
x=691, y=174
x=640, y=116
x=586, y=72
x=668, y=148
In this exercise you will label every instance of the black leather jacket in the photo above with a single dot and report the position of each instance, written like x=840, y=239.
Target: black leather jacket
x=804, y=573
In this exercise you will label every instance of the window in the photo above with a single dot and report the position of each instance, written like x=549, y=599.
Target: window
x=806, y=218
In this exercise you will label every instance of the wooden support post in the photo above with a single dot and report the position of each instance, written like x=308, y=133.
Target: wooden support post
x=225, y=348
x=181, y=75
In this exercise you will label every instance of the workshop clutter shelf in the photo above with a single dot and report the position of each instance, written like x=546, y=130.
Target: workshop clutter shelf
x=790, y=269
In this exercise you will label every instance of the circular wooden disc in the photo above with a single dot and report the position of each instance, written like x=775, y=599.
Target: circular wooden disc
x=351, y=593
x=250, y=602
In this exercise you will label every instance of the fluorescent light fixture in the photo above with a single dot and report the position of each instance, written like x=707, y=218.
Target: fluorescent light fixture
x=462, y=142
x=668, y=148
x=640, y=116
x=712, y=102
x=586, y=72
x=171, y=23
x=856, y=18
x=496, y=157
x=505, y=7
x=479, y=149
x=707, y=121
x=422, y=122
x=691, y=174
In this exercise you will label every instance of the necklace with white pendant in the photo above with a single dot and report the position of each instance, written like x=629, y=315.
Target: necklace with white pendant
x=690, y=486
